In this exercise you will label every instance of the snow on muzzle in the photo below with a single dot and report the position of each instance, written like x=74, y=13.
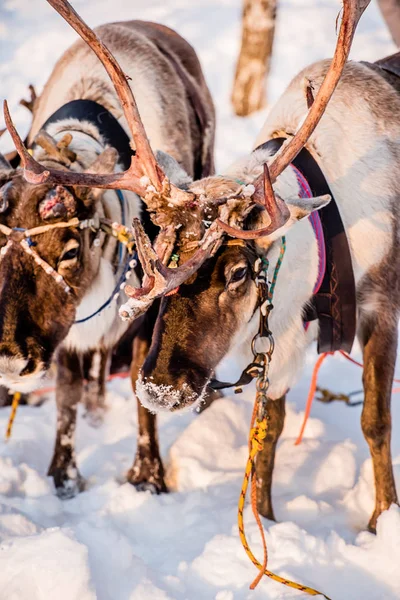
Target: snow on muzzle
x=163, y=397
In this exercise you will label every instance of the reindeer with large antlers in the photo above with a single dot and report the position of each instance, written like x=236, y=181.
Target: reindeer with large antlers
x=64, y=260
x=339, y=275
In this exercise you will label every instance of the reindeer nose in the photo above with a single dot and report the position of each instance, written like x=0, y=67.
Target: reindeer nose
x=163, y=397
x=11, y=365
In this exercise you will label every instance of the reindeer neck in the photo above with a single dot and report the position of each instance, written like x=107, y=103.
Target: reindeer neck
x=294, y=289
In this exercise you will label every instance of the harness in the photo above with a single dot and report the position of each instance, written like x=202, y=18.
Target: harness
x=107, y=125
x=333, y=302
x=388, y=68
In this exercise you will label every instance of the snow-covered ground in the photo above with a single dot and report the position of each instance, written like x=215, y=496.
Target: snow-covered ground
x=114, y=543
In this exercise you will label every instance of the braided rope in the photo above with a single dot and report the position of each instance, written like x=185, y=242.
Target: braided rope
x=256, y=444
x=23, y=237
x=14, y=406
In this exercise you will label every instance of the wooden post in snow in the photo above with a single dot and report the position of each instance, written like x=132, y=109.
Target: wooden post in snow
x=258, y=27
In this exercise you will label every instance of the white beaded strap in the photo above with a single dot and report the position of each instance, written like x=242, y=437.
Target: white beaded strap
x=45, y=265
x=121, y=232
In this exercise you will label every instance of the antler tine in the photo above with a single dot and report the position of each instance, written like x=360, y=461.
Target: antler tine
x=38, y=173
x=143, y=150
x=264, y=193
x=162, y=278
x=275, y=207
x=352, y=11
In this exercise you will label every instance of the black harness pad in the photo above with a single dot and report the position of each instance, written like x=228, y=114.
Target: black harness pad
x=107, y=125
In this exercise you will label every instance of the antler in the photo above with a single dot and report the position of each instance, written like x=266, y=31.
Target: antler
x=30, y=104
x=143, y=165
x=159, y=279
x=352, y=11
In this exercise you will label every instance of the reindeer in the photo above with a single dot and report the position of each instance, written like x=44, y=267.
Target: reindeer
x=60, y=261
x=215, y=312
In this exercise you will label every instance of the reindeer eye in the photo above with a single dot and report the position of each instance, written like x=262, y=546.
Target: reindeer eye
x=70, y=254
x=238, y=275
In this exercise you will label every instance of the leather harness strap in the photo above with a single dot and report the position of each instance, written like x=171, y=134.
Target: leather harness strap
x=107, y=125
x=390, y=64
x=334, y=305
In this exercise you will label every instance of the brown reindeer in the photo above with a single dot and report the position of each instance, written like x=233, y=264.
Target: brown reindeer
x=69, y=266
x=215, y=311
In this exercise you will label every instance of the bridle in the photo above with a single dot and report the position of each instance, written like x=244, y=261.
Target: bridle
x=258, y=368
x=23, y=237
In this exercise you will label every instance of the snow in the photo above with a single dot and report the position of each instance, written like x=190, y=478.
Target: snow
x=114, y=543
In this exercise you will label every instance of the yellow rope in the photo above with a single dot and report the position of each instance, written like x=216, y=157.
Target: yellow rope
x=256, y=444
x=14, y=406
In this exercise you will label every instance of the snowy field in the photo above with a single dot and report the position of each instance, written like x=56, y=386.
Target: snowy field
x=114, y=543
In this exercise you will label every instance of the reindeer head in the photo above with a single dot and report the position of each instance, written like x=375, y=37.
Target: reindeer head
x=212, y=295
x=201, y=318
x=45, y=269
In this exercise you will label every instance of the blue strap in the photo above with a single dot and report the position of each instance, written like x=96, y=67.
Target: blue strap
x=116, y=290
x=125, y=269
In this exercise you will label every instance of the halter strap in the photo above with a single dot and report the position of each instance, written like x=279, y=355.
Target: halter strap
x=130, y=264
x=23, y=236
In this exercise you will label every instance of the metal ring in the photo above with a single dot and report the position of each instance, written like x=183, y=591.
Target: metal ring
x=271, y=348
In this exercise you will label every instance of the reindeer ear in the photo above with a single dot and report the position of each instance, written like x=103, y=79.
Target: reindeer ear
x=6, y=171
x=173, y=170
x=303, y=207
x=3, y=195
x=103, y=165
x=58, y=203
x=299, y=208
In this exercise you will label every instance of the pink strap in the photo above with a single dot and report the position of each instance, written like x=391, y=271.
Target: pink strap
x=314, y=218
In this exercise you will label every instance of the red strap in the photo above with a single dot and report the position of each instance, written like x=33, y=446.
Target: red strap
x=172, y=292
x=313, y=387
x=311, y=394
